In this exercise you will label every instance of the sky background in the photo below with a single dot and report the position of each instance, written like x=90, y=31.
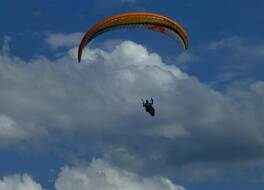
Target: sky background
x=67, y=126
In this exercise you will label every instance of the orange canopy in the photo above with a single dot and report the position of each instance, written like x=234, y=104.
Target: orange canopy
x=150, y=21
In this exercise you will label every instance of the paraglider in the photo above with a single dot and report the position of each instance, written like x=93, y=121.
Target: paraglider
x=144, y=20
x=148, y=107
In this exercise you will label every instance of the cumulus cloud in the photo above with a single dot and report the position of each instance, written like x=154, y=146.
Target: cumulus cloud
x=97, y=175
x=96, y=105
x=19, y=182
x=101, y=175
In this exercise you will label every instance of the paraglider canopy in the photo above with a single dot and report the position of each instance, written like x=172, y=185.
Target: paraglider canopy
x=145, y=20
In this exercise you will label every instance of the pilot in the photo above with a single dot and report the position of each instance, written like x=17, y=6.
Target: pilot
x=148, y=107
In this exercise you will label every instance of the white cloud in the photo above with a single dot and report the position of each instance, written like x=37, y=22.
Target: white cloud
x=98, y=175
x=10, y=131
x=19, y=182
x=184, y=58
x=128, y=1
x=242, y=56
x=52, y=100
x=101, y=175
x=6, y=45
x=63, y=40
x=225, y=42
x=131, y=54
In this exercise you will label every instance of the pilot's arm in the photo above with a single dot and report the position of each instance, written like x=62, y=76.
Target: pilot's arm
x=143, y=103
x=151, y=101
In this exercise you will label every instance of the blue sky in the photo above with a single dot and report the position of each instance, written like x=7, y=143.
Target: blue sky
x=63, y=123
